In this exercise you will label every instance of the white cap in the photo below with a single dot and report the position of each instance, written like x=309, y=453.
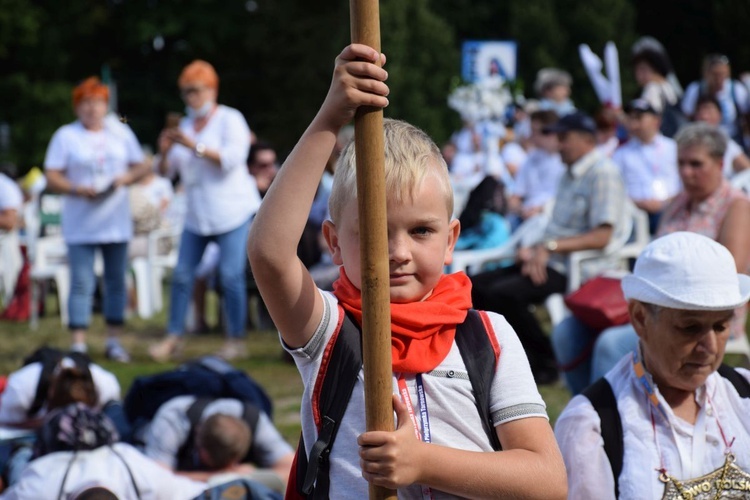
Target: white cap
x=687, y=271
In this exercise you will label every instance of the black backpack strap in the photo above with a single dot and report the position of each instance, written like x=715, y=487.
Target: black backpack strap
x=186, y=454
x=336, y=391
x=251, y=414
x=479, y=357
x=603, y=400
x=738, y=381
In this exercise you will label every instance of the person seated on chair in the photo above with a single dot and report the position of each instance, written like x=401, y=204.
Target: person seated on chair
x=77, y=448
x=537, y=180
x=708, y=110
x=648, y=161
x=683, y=430
x=707, y=205
x=170, y=438
x=589, y=208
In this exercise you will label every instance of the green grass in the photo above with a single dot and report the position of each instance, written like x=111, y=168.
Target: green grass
x=265, y=363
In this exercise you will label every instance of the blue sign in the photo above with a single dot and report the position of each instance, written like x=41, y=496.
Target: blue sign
x=481, y=59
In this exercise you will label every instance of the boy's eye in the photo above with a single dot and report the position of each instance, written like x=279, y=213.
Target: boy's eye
x=421, y=230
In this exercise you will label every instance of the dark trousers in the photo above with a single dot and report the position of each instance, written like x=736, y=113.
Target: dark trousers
x=508, y=292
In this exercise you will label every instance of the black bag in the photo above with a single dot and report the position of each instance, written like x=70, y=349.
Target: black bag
x=205, y=377
x=672, y=119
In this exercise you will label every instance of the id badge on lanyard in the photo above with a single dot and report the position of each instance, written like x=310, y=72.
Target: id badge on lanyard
x=424, y=418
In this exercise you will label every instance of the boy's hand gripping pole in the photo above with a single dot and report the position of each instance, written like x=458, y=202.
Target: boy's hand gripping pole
x=373, y=234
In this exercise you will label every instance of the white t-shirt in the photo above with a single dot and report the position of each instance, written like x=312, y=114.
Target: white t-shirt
x=513, y=154
x=649, y=170
x=219, y=198
x=688, y=451
x=44, y=476
x=10, y=194
x=733, y=151
x=454, y=420
x=170, y=428
x=733, y=94
x=20, y=390
x=94, y=159
x=158, y=190
x=538, y=177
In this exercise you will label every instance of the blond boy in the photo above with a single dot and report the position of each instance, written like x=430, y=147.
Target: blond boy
x=426, y=306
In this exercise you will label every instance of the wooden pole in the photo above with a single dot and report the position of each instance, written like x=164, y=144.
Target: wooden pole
x=373, y=231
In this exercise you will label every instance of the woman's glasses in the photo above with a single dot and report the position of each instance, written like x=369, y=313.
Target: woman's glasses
x=186, y=91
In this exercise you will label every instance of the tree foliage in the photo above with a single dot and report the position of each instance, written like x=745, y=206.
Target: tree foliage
x=275, y=57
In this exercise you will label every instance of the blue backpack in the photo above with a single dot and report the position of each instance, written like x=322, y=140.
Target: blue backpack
x=205, y=377
x=239, y=489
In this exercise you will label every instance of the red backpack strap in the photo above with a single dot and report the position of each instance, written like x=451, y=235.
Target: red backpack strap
x=334, y=384
x=323, y=370
x=490, y=331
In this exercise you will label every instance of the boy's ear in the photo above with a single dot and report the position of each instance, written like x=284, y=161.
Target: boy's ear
x=332, y=240
x=454, y=229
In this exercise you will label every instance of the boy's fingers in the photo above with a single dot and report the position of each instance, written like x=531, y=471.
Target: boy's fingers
x=360, y=51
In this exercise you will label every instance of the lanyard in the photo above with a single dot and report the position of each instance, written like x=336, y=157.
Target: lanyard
x=424, y=417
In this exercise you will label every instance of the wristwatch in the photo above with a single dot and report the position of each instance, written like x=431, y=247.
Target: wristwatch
x=200, y=150
x=550, y=245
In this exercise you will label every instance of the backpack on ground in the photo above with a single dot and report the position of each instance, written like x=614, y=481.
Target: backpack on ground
x=309, y=476
x=187, y=455
x=605, y=404
x=204, y=377
x=49, y=357
x=245, y=489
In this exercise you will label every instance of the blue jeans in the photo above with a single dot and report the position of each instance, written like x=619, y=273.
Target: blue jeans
x=231, y=275
x=583, y=356
x=83, y=283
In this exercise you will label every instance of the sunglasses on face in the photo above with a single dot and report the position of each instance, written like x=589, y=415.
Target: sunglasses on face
x=191, y=90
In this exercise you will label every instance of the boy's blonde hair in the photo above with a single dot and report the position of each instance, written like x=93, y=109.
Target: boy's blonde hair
x=409, y=153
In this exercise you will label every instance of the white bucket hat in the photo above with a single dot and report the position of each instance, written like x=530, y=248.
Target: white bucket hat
x=687, y=271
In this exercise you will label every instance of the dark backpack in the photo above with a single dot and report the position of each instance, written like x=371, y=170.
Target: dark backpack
x=205, y=377
x=672, y=119
x=603, y=400
x=309, y=477
x=49, y=357
x=237, y=489
x=187, y=455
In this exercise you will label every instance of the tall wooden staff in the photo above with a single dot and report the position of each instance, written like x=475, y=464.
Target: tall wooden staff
x=373, y=235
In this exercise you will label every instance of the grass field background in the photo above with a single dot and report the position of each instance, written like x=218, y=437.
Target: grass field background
x=265, y=361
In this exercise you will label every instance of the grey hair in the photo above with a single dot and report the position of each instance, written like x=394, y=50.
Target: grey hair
x=550, y=77
x=702, y=134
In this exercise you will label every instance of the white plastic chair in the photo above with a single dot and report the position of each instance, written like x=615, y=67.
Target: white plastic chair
x=149, y=271
x=11, y=261
x=50, y=262
x=741, y=181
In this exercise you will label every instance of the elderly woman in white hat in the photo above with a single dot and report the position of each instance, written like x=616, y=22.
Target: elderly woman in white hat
x=669, y=420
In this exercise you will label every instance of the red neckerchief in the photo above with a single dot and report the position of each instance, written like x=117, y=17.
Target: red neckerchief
x=421, y=332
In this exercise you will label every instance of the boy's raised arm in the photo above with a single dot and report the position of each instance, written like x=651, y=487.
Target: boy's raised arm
x=284, y=283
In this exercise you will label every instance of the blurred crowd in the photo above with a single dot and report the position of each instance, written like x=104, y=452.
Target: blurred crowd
x=543, y=178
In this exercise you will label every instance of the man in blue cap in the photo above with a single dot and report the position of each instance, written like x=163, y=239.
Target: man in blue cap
x=589, y=209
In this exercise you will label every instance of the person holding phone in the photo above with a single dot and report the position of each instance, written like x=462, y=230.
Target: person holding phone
x=89, y=161
x=209, y=149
